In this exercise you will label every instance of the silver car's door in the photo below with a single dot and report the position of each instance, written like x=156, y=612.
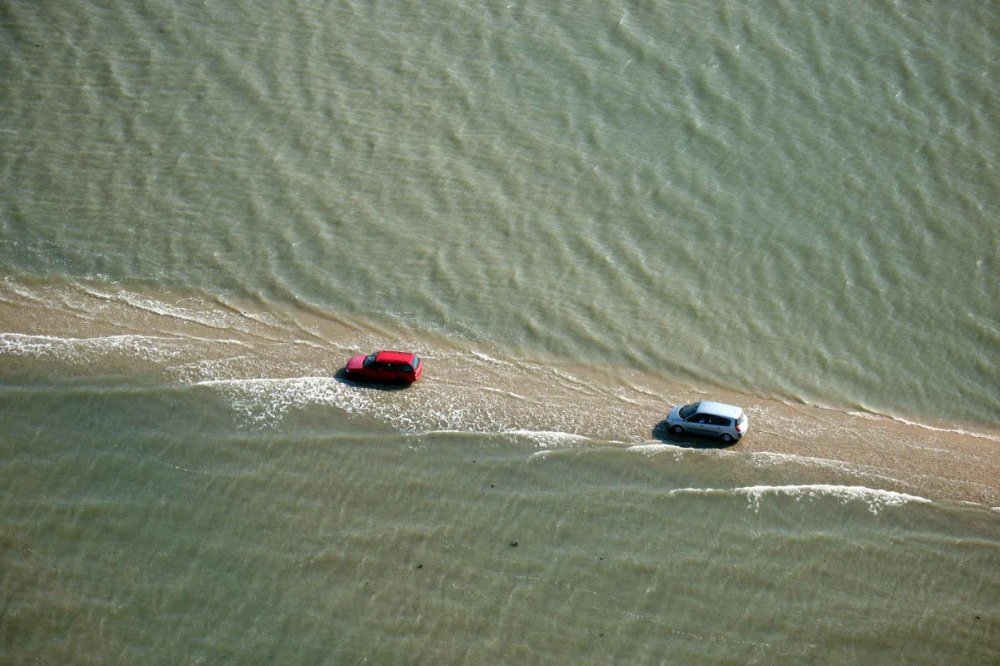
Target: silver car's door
x=697, y=423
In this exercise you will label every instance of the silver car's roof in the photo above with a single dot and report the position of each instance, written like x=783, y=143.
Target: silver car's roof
x=719, y=409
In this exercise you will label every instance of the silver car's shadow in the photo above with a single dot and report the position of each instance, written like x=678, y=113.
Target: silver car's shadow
x=341, y=376
x=688, y=441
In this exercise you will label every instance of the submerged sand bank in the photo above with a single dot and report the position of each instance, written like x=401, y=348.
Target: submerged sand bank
x=933, y=463
x=269, y=360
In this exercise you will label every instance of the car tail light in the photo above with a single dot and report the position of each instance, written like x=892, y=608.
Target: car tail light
x=740, y=427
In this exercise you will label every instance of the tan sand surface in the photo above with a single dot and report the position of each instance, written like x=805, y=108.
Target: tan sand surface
x=79, y=330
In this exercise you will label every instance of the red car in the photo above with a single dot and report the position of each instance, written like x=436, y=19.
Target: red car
x=385, y=367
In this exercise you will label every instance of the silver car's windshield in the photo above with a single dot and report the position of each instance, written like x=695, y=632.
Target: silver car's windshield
x=688, y=410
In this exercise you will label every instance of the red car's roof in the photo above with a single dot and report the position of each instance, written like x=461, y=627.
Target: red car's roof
x=394, y=357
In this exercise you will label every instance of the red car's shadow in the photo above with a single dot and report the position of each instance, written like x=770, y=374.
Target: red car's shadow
x=341, y=376
x=688, y=441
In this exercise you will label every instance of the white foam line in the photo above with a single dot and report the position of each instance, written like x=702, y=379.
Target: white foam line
x=267, y=400
x=953, y=431
x=870, y=471
x=654, y=447
x=25, y=343
x=877, y=499
x=509, y=394
x=181, y=469
x=265, y=381
x=857, y=470
x=54, y=338
x=448, y=431
x=19, y=343
x=489, y=359
x=773, y=458
x=877, y=416
x=205, y=318
x=548, y=438
x=221, y=341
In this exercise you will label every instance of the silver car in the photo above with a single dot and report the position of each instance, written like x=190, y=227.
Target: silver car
x=715, y=419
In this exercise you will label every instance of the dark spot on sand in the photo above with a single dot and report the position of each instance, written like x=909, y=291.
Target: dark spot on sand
x=513, y=544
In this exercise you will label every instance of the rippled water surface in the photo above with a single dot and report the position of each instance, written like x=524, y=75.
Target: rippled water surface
x=578, y=216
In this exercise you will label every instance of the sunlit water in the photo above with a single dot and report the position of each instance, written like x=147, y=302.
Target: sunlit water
x=578, y=216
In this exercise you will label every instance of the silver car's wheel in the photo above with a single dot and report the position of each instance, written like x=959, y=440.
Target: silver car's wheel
x=727, y=438
x=677, y=430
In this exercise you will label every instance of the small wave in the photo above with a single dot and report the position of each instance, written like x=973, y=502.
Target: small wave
x=205, y=317
x=876, y=416
x=489, y=359
x=265, y=401
x=876, y=499
x=650, y=448
x=951, y=431
x=771, y=458
x=144, y=346
x=923, y=426
x=509, y=394
x=548, y=438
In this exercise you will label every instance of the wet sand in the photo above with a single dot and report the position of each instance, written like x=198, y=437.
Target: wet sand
x=78, y=331
x=937, y=464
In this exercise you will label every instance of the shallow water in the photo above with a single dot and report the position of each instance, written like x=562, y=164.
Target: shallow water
x=578, y=217
x=142, y=525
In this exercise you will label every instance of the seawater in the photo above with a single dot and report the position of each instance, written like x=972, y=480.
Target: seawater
x=579, y=215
